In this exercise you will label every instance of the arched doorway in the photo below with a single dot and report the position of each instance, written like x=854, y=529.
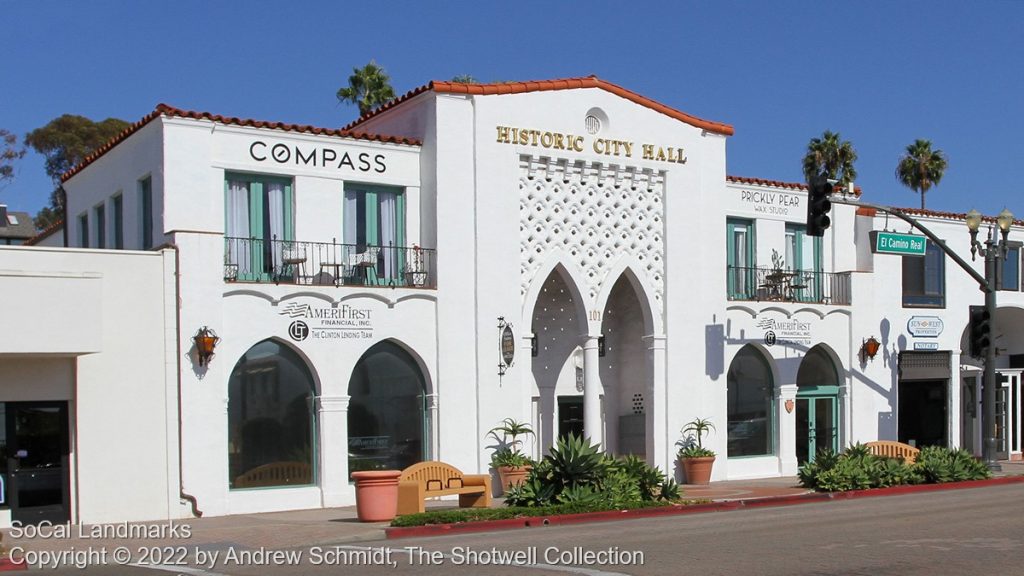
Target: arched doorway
x=817, y=405
x=625, y=370
x=271, y=422
x=751, y=399
x=388, y=426
x=558, y=367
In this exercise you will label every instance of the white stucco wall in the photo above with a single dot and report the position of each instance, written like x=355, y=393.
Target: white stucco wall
x=104, y=350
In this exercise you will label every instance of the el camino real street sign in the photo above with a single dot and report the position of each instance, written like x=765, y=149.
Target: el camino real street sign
x=902, y=244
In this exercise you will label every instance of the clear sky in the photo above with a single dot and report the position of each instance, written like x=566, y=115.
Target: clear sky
x=880, y=73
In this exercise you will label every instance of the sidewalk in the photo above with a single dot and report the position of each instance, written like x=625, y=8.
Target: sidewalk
x=279, y=530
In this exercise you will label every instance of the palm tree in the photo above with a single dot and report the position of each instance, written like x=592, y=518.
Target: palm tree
x=920, y=167
x=831, y=157
x=368, y=87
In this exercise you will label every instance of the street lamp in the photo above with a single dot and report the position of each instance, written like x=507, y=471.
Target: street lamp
x=992, y=250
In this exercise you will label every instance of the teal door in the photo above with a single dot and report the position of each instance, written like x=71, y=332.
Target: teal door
x=816, y=425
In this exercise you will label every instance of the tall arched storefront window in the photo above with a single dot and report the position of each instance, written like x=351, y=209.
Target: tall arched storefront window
x=271, y=426
x=751, y=417
x=386, y=416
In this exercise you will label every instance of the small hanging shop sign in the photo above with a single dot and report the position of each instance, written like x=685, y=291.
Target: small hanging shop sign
x=506, y=345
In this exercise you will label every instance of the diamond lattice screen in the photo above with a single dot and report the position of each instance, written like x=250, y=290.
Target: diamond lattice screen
x=593, y=213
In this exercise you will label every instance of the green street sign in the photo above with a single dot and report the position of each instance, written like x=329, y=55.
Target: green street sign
x=902, y=244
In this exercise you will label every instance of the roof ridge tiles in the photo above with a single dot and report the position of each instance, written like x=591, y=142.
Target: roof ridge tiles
x=519, y=87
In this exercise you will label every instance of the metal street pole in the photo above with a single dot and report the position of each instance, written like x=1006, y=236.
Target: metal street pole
x=988, y=381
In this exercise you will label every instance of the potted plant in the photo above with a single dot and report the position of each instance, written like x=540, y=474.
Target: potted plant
x=508, y=459
x=695, y=459
x=416, y=271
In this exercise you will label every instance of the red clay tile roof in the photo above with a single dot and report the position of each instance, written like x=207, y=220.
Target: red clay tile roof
x=544, y=85
x=49, y=231
x=170, y=111
x=950, y=215
x=776, y=183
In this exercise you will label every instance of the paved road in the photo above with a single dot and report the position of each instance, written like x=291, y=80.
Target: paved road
x=978, y=531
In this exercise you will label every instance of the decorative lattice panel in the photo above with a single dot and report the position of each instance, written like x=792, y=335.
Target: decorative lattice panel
x=593, y=213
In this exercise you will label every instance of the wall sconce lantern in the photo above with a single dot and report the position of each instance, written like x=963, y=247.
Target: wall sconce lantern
x=534, y=346
x=600, y=346
x=869, y=348
x=205, y=341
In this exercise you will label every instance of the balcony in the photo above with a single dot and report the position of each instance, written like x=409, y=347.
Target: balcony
x=778, y=285
x=327, y=263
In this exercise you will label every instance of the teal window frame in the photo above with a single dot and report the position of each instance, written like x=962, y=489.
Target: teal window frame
x=741, y=284
x=372, y=233
x=146, y=212
x=100, y=214
x=83, y=230
x=813, y=291
x=919, y=267
x=117, y=207
x=257, y=271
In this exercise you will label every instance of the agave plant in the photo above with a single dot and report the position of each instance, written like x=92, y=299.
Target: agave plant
x=574, y=461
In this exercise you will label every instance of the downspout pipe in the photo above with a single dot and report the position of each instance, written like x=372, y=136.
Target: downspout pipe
x=193, y=502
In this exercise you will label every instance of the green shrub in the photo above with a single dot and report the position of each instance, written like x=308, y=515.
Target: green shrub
x=451, y=516
x=857, y=469
x=577, y=472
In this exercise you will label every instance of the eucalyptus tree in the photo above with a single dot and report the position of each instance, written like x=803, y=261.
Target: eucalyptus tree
x=832, y=157
x=368, y=87
x=920, y=168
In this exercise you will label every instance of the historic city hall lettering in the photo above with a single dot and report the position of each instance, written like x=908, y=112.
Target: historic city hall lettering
x=318, y=157
x=575, y=143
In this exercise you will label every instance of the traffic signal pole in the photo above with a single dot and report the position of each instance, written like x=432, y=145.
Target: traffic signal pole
x=987, y=284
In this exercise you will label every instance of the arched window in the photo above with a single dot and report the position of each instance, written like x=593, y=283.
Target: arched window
x=386, y=419
x=270, y=419
x=750, y=399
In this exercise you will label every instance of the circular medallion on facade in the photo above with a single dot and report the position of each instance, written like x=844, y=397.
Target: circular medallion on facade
x=769, y=338
x=593, y=124
x=298, y=330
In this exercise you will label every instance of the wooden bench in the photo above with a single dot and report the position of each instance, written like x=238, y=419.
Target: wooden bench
x=429, y=479
x=275, y=474
x=891, y=449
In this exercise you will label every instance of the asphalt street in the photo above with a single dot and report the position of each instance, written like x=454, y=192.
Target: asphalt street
x=976, y=531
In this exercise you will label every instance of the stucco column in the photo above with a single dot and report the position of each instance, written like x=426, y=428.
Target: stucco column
x=334, y=482
x=433, y=442
x=656, y=424
x=592, y=392
x=954, y=409
x=844, y=428
x=787, y=429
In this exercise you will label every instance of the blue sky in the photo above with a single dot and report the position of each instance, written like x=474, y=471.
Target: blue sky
x=880, y=73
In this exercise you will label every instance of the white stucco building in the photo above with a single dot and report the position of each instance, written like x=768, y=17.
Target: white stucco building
x=361, y=279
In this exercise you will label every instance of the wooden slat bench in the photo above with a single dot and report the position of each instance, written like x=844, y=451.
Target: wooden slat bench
x=275, y=474
x=429, y=479
x=892, y=449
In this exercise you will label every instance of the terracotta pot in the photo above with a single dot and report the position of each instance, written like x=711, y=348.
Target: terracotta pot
x=697, y=470
x=512, y=476
x=376, y=494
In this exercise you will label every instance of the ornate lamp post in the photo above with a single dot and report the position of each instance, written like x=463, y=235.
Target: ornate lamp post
x=994, y=248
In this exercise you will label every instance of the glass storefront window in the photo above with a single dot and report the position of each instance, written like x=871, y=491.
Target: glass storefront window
x=271, y=425
x=751, y=418
x=386, y=412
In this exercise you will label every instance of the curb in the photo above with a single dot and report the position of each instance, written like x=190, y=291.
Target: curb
x=678, y=510
x=6, y=564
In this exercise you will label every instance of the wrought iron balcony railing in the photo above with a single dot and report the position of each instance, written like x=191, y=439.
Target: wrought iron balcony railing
x=774, y=285
x=327, y=263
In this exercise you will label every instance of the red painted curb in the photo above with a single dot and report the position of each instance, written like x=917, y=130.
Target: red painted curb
x=6, y=564
x=676, y=510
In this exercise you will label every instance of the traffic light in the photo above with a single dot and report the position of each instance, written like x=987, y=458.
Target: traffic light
x=818, y=205
x=979, y=329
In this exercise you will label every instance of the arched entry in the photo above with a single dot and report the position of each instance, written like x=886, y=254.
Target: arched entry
x=271, y=422
x=387, y=421
x=558, y=367
x=625, y=370
x=751, y=393
x=817, y=405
